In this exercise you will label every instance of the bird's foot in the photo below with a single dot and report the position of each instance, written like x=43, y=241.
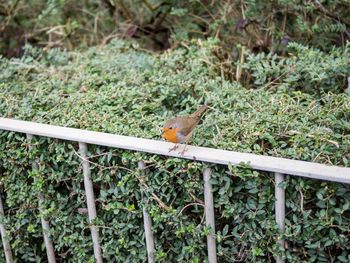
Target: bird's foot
x=182, y=153
x=174, y=148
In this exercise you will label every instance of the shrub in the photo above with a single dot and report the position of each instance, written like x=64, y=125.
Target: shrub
x=259, y=25
x=121, y=89
x=306, y=69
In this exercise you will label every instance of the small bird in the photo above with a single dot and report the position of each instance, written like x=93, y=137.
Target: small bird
x=179, y=129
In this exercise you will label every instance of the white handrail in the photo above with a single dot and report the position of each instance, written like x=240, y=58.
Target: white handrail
x=90, y=201
x=4, y=237
x=209, y=216
x=50, y=251
x=280, y=209
x=258, y=162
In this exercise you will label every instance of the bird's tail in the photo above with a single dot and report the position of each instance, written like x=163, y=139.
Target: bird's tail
x=198, y=113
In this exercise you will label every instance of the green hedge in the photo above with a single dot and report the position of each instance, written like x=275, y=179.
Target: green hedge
x=122, y=89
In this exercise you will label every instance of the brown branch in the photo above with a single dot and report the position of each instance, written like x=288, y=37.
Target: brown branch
x=326, y=12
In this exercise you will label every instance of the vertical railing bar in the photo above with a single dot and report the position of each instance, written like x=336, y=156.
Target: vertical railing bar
x=209, y=216
x=90, y=200
x=280, y=207
x=50, y=252
x=4, y=237
x=147, y=222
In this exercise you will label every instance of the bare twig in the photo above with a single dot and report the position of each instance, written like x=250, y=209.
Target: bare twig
x=101, y=166
x=188, y=205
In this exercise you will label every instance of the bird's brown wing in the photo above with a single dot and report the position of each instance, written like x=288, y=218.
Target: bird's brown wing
x=188, y=124
x=198, y=113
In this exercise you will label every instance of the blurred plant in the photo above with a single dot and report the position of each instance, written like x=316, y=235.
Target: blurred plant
x=160, y=24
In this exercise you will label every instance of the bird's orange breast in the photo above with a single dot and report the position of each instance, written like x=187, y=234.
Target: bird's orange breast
x=170, y=135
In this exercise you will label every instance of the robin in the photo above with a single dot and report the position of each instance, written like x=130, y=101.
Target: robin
x=179, y=129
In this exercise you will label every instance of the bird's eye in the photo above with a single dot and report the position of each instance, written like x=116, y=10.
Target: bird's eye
x=170, y=128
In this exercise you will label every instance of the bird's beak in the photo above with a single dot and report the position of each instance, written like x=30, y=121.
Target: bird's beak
x=163, y=130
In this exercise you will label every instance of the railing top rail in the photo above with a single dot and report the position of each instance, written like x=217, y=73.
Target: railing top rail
x=258, y=162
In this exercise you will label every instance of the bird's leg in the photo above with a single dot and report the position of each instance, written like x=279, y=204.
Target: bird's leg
x=186, y=144
x=174, y=148
x=184, y=150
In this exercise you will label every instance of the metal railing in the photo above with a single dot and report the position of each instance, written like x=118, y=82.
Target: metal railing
x=279, y=166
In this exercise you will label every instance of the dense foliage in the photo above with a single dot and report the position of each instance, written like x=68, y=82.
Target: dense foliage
x=307, y=69
x=125, y=90
x=275, y=74
x=159, y=24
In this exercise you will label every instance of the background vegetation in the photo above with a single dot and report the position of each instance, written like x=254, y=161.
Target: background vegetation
x=275, y=73
x=257, y=26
